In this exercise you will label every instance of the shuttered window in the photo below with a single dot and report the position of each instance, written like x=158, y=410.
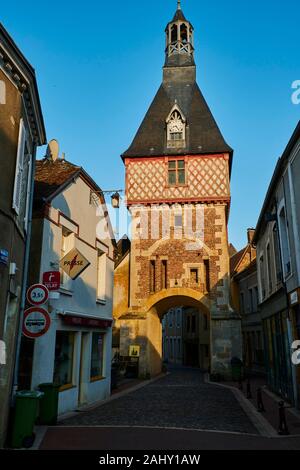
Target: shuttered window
x=17, y=196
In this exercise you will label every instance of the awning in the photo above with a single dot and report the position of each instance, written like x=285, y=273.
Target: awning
x=76, y=319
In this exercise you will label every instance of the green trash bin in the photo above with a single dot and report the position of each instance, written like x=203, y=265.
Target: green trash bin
x=26, y=411
x=49, y=404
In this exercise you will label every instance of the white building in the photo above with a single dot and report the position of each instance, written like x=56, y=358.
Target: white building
x=76, y=351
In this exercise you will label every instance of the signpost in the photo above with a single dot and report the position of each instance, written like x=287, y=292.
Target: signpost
x=51, y=280
x=36, y=322
x=37, y=294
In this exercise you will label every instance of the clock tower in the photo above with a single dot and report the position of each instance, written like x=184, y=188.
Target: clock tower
x=178, y=193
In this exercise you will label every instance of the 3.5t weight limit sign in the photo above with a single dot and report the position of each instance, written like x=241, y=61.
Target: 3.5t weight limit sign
x=37, y=294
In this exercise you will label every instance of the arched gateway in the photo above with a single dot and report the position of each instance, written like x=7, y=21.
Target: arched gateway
x=178, y=193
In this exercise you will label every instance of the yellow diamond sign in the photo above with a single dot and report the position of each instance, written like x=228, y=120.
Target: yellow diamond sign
x=74, y=263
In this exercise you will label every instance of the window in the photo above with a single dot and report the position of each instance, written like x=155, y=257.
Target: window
x=206, y=276
x=251, y=299
x=184, y=33
x=164, y=273
x=21, y=173
x=285, y=248
x=269, y=268
x=174, y=37
x=262, y=277
x=63, y=363
x=194, y=276
x=66, y=246
x=277, y=255
x=176, y=172
x=152, y=276
x=178, y=220
x=97, y=356
x=178, y=348
x=194, y=324
x=256, y=299
x=101, y=273
x=242, y=303
x=2, y=92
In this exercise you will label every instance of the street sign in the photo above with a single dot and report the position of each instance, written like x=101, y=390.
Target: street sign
x=51, y=280
x=37, y=294
x=3, y=256
x=74, y=263
x=36, y=322
x=134, y=351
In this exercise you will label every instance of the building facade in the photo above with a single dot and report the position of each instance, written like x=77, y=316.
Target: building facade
x=178, y=193
x=246, y=301
x=21, y=132
x=70, y=213
x=277, y=238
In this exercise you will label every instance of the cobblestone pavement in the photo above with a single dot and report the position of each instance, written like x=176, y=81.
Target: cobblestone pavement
x=178, y=400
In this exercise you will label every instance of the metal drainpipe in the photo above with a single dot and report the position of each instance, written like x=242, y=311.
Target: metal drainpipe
x=24, y=284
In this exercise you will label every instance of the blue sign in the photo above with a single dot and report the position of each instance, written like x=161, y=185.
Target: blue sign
x=3, y=256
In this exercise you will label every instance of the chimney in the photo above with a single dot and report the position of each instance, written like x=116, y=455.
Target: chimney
x=250, y=235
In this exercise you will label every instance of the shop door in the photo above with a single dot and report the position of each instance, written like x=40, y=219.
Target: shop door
x=84, y=369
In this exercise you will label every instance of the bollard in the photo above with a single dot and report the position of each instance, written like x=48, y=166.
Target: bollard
x=283, y=428
x=260, y=403
x=249, y=393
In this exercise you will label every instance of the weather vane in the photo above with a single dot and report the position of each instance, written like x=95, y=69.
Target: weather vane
x=178, y=4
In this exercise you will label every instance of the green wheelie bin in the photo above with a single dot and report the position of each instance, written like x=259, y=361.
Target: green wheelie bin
x=26, y=411
x=49, y=404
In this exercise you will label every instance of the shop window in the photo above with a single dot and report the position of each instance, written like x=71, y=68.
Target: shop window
x=97, y=356
x=64, y=355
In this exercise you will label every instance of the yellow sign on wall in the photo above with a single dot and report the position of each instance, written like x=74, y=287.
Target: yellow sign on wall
x=134, y=351
x=74, y=263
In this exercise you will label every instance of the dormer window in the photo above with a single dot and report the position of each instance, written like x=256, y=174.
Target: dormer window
x=176, y=129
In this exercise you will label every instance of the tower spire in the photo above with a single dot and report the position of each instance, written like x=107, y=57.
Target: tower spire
x=178, y=4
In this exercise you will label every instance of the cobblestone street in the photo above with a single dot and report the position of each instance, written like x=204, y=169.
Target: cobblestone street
x=179, y=400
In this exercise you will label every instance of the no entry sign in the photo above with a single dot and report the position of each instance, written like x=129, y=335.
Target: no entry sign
x=36, y=322
x=37, y=294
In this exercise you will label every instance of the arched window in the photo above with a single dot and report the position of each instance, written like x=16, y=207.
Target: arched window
x=174, y=36
x=176, y=128
x=184, y=33
x=2, y=92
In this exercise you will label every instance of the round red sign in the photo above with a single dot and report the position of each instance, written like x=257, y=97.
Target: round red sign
x=37, y=294
x=36, y=322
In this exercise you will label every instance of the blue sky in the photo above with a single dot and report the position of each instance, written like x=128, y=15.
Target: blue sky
x=99, y=64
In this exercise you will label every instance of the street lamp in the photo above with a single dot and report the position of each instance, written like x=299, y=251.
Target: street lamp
x=115, y=196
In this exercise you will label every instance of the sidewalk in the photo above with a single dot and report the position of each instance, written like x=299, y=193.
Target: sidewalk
x=270, y=402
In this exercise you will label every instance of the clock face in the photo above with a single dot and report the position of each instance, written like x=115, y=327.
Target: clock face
x=176, y=124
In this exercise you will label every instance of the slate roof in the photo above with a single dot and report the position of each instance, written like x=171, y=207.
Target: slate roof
x=51, y=176
x=203, y=135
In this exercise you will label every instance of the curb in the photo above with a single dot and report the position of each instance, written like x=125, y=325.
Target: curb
x=259, y=422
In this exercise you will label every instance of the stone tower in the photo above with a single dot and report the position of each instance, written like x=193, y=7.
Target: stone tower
x=178, y=193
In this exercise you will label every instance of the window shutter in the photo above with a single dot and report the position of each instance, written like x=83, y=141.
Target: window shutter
x=19, y=168
x=28, y=191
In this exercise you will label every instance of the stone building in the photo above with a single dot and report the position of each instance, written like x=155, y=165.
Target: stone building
x=178, y=193
x=277, y=239
x=21, y=132
x=244, y=287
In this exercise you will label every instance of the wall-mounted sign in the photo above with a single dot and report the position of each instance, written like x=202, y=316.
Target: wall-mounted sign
x=76, y=320
x=37, y=294
x=36, y=322
x=3, y=256
x=51, y=280
x=74, y=263
x=134, y=351
x=294, y=297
